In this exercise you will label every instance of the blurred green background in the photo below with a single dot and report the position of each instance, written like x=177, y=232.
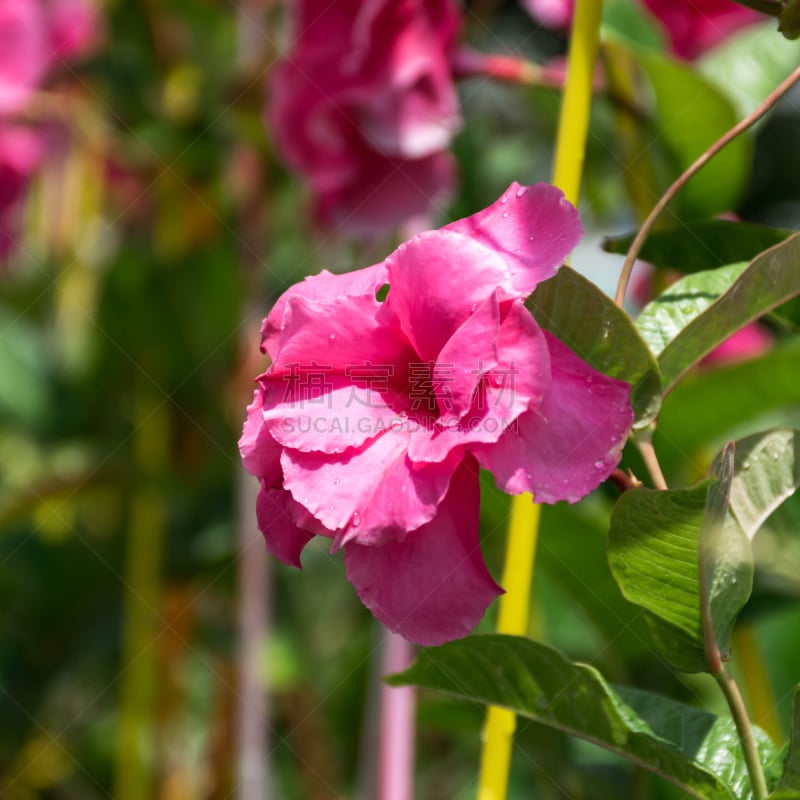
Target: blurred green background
x=155, y=238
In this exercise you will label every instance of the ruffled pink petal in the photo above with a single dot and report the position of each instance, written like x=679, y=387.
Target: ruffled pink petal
x=514, y=367
x=571, y=444
x=324, y=286
x=341, y=334
x=275, y=512
x=345, y=416
x=432, y=586
x=437, y=280
x=24, y=54
x=532, y=228
x=373, y=494
x=261, y=454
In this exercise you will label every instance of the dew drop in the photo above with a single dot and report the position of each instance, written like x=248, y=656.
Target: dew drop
x=505, y=215
x=335, y=481
x=775, y=455
x=503, y=200
x=746, y=465
x=332, y=336
x=356, y=519
x=599, y=464
x=521, y=191
x=531, y=238
x=590, y=379
x=473, y=307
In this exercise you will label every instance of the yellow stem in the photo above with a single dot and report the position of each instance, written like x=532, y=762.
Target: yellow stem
x=573, y=129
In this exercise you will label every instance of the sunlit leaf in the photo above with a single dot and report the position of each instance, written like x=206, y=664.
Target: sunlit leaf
x=769, y=280
x=693, y=749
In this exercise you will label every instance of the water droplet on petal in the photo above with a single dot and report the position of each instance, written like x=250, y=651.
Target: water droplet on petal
x=356, y=519
x=335, y=481
x=503, y=199
x=521, y=191
x=599, y=464
x=505, y=215
x=589, y=379
x=473, y=307
x=332, y=336
x=531, y=238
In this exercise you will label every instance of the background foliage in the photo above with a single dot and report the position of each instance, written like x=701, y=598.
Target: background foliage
x=154, y=240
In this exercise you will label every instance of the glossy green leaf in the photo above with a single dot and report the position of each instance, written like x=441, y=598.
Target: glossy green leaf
x=726, y=560
x=659, y=541
x=698, y=246
x=590, y=323
x=653, y=546
x=665, y=317
x=689, y=114
x=767, y=473
x=693, y=749
x=769, y=280
x=789, y=784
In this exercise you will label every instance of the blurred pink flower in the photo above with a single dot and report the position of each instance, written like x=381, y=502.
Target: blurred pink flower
x=21, y=150
x=749, y=342
x=691, y=26
x=551, y=13
x=364, y=106
x=694, y=26
x=34, y=35
x=374, y=416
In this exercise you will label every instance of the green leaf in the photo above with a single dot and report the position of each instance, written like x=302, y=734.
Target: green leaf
x=673, y=556
x=767, y=473
x=665, y=317
x=769, y=280
x=698, y=246
x=726, y=563
x=590, y=323
x=689, y=115
x=653, y=546
x=708, y=407
x=789, y=784
x=693, y=749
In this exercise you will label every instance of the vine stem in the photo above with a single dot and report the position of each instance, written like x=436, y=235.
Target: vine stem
x=745, y=731
x=644, y=442
x=701, y=161
x=573, y=129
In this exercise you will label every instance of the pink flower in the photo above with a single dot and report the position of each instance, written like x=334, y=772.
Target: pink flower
x=373, y=418
x=551, y=13
x=751, y=341
x=34, y=35
x=364, y=106
x=692, y=26
x=21, y=151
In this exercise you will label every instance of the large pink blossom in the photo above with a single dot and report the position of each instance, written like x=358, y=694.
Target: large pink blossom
x=364, y=106
x=371, y=422
x=691, y=26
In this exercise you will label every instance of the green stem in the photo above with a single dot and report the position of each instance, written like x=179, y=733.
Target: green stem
x=745, y=731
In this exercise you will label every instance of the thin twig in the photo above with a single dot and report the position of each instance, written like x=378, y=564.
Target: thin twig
x=644, y=442
x=644, y=231
x=745, y=731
